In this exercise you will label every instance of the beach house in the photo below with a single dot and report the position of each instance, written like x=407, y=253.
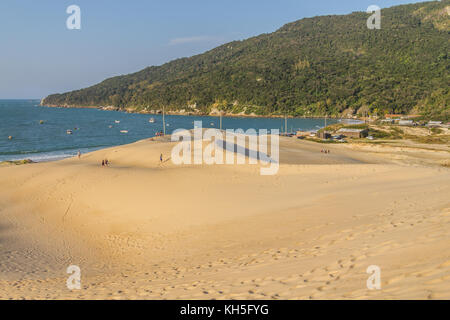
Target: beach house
x=353, y=133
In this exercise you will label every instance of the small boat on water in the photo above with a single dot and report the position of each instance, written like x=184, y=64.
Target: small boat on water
x=117, y=121
x=123, y=131
x=151, y=120
x=69, y=131
x=10, y=138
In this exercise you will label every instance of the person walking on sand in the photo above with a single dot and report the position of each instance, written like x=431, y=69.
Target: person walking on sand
x=161, y=158
x=79, y=154
x=103, y=163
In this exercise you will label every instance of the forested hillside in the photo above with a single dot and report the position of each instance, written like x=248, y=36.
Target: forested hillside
x=316, y=66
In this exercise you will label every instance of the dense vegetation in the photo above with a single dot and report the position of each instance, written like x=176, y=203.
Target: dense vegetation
x=324, y=65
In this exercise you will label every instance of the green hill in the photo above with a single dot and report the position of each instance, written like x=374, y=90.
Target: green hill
x=316, y=66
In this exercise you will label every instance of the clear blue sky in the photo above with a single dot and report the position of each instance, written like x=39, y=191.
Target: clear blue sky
x=39, y=55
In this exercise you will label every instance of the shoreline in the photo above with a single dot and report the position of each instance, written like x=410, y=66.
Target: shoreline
x=34, y=160
x=193, y=114
x=48, y=156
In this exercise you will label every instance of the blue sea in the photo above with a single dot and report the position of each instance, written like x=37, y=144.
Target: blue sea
x=94, y=129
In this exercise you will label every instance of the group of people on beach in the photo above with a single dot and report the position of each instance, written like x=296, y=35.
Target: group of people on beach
x=105, y=162
x=325, y=151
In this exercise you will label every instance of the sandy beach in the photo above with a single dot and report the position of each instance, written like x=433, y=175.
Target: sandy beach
x=141, y=229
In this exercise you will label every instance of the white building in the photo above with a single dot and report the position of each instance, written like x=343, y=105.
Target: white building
x=406, y=122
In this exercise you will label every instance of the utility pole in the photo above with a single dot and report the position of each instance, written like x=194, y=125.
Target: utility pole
x=285, y=124
x=164, y=121
x=285, y=120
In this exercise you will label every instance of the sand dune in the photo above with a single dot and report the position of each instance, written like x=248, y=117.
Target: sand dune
x=145, y=230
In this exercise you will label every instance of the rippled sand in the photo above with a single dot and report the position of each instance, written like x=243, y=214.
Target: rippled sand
x=145, y=230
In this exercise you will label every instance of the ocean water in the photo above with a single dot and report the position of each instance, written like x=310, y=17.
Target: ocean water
x=94, y=129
